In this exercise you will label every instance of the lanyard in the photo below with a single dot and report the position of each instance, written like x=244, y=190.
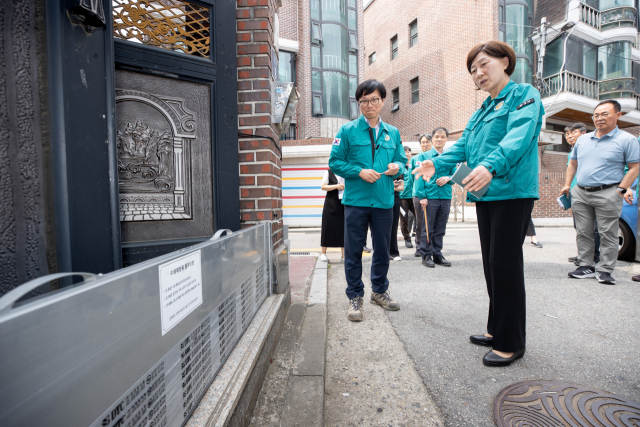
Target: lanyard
x=373, y=144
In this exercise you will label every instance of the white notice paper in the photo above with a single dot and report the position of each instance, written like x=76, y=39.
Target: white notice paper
x=180, y=289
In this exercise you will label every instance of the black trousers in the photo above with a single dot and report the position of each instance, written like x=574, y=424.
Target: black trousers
x=437, y=217
x=405, y=224
x=503, y=226
x=393, y=248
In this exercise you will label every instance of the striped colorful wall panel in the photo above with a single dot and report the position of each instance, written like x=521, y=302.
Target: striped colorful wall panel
x=302, y=198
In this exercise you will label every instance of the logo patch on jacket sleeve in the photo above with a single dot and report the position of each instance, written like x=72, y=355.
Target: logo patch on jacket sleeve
x=336, y=141
x=387, y=138
x=525, y=103
x=499, y=106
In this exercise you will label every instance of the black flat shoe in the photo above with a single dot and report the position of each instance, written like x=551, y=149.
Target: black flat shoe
x=492, y=359
x=417, y=254
x=428, y=262
x=441, y=261
x=481, y=340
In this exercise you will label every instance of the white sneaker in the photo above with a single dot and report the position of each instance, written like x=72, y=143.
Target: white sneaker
x=324, y=258
x=397, y=258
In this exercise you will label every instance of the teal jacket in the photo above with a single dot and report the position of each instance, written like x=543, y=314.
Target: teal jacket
x=502, y=135
x=430, y=190
x=407, y=193
x=351, y=153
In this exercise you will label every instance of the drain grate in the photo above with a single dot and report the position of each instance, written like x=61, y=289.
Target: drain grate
x=555, y=404
x=299, y=253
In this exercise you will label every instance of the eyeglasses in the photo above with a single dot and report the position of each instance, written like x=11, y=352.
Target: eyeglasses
x=603, y=115
x=366, y=102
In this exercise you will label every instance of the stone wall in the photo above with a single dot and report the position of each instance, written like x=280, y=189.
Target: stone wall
x=27, y=246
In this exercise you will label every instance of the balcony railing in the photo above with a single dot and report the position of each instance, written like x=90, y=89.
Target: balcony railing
x=590, y=15
x=623, y=16
x=567, y=81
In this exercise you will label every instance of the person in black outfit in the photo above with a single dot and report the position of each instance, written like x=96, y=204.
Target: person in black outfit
x=332, y=232
x=394, y=253
x=531, y=232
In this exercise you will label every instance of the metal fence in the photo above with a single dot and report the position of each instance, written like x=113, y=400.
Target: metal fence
x=136, y=347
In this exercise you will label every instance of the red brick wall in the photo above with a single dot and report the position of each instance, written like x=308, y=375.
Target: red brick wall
x=260, y=175
x=288, y=17
x=547, y=206
x=297, y=142
x=552, y=161
x=446, y=32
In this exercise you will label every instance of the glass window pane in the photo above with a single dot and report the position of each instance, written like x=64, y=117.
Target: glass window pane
x=353, y=42
x=353, y=65
x=413, y=28
x=335, y=47
x=354, y=109
x=574, y=56
x=609, y=4
x=590, y=61
x=315, y=32
x=414, y=85
x=553, y=58
x=285, y=72
x=415, y=97
x=352, y=3
x=334, y=10
x=501, y=15
x=335, y=95
x=315, y=9
x=522, y=73
x=517, y=29
x=636, y=74
x=317, y=104
x=372, y=58
x=614, y=60
x=353, y=84
x=394, y=43
x=352, y=19
x=316, y=59
x=316, y=81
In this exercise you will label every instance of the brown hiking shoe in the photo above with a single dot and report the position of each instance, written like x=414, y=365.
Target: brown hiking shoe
x=385, y=301
x=355, y=313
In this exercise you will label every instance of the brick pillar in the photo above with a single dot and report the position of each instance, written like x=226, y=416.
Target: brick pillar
x=260, y=162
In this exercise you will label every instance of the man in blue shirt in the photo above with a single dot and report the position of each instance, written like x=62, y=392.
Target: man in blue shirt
x=572, y=132
x=598, y=161
x=369, y=155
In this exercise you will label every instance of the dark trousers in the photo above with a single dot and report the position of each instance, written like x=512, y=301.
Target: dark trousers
x=393, y=248
x=596, y=240
x=356, y=222
x=405, y=225
x=503, y=226
x=419, y=219
x=437, y=217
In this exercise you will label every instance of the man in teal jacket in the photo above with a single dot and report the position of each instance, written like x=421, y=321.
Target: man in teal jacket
x=435, y=197
x=369, y=155
x=406, y=201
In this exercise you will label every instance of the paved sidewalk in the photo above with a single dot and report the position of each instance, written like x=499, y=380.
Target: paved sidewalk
x=370, y=379
x=300, y=271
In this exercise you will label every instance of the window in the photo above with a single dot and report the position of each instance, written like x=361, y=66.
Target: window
x=614, y=60
x=372, y=58
x=353, y=109
x=352, y=19
x=522, y=72
x=353, y=42
x=334, y=59
x=335, y=94
x=317, y=105
x=394, y=47
x=413, y=33
x=291, y=133
x=316, y=37
x=287, y=67
x=516, y=30
x=581, y=58
x=395, y=96
x=553, y=58
x=335, y=53
x=415, y=91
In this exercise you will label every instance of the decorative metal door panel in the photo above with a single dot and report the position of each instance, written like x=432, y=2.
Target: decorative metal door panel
x=164, y=157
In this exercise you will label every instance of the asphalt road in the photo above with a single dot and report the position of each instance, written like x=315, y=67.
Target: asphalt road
x=578, y=331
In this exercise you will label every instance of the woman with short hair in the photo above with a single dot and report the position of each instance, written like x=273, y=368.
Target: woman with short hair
x=499, y=144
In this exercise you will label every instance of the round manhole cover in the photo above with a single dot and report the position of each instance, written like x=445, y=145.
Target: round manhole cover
x=556, y=404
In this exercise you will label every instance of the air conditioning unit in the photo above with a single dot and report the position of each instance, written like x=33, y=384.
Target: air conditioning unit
x=550, y=137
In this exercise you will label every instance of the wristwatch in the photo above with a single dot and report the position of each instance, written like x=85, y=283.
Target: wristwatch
x=621, y=190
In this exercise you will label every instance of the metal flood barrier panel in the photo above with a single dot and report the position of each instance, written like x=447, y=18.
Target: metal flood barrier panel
x=134, y=348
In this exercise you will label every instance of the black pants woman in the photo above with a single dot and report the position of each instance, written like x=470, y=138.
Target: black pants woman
x=500, y=144
x=332, y=232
